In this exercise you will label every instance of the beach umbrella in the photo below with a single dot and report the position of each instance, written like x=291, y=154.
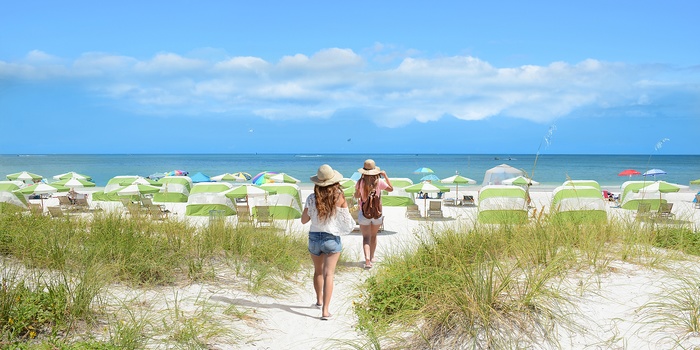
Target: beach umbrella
x=176, y=173
x=356, y=176
x=199, y=177
x=695, y=182
x=24, y=176
x=71, y=175
x=42, y=188
x=654, y=172
x=430, y=178
x=156, y=176
x=629, y=172
x=661, y=186
x=272, y=177
x=228, y=177
x=423, y=171
x=137, y=189
x=520, y=181
x=243, y=175
x=74, y=183
x=426, y=187
x=259, y=179
x=283, y=178
x=458, y=180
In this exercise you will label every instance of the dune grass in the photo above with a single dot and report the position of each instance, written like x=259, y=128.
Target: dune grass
x=501, y=286
x=73, y=261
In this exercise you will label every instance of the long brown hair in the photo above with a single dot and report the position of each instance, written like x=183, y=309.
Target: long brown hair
x=369, y=183
x=326, y=196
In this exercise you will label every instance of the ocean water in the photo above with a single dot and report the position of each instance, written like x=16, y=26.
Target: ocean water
x=549, y=170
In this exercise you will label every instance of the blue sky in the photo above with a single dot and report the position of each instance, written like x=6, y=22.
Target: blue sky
x=506, y=77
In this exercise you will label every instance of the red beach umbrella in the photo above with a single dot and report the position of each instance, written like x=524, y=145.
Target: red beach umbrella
x=629, y=172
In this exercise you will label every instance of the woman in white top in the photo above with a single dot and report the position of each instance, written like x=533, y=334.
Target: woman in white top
x=327, y=210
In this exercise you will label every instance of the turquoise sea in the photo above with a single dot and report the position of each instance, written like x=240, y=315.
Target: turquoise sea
x=549, y=170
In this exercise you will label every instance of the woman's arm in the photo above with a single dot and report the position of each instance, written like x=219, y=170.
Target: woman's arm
x=388, y=182
x=305, y=216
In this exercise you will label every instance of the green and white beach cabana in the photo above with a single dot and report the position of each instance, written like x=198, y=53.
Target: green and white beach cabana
x=109, y=193
x=284, y=205
x=578, y=183
x=579, y=204
x=631, y=197
x=502, y=204
x=207, y=198
x=12, y=202
x=175, y=189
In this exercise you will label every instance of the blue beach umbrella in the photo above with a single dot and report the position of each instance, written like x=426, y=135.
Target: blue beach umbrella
x=423, y=170
x=199, y=177
x=430, y=177
x=654, y=172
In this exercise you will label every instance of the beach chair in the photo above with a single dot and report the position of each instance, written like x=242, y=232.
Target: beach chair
x=697, y=201
x=413, y=212
x=435, y=210
x=36, y=209
x=56, y=212
x=65, y=202
x=147, y=203
x=665, y=211
x=81, y=204
x=263, y=216
x=243, y=215
x=643, y=211
x=157, y=213
x=449, y=202
x=468, y=200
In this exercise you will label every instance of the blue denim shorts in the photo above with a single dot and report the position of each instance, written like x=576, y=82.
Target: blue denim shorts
x=322, y=242
x=363, y=221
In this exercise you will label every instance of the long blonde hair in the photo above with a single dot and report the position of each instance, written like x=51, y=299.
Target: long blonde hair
x=369, y=184
x=326, y=196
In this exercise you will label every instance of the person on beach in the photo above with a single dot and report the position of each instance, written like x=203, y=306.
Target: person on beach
x=329, y=215
x=373, y=179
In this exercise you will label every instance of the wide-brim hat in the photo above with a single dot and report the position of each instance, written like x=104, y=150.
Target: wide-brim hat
x=326, y=176
x=370, y=168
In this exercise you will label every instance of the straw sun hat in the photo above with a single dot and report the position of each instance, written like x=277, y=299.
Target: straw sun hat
x=326, y=176
x=369, y=168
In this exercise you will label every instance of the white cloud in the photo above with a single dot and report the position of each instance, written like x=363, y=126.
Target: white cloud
x=332, y=80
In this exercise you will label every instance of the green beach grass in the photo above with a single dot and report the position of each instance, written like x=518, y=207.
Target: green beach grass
x=485, y=286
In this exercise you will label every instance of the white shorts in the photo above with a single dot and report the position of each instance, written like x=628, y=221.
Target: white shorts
x=363, y=221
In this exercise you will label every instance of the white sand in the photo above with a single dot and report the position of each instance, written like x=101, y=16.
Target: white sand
x=608, y=304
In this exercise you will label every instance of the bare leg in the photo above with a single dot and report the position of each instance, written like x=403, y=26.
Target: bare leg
x=330, y=261
x=318, y=277
x=374, y=229
x=366, y=231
